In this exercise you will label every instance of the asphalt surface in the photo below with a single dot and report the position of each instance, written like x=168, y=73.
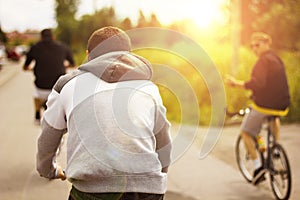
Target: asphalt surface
x=190, y=178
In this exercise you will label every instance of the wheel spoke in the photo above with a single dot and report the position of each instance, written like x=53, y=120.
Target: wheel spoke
x=244, y=160
x=280, y=173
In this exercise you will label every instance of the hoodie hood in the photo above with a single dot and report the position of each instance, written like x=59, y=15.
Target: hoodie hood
x=119, y=66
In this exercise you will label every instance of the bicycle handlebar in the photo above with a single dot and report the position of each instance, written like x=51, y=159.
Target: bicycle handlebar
x=241, y=112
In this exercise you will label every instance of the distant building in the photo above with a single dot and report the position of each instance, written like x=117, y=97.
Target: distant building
x=27, y=37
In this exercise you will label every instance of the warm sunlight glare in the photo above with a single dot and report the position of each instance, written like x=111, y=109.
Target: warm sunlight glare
x=207, y=13
x=202, y=12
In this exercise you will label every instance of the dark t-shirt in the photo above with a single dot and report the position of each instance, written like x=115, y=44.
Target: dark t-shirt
x=49, y=59
x=269, y=82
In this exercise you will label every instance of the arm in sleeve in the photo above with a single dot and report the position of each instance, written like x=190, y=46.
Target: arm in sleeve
x=53, y=128
x=258, y=75
x=163, y=137
x=29, y=59
x=69, y=57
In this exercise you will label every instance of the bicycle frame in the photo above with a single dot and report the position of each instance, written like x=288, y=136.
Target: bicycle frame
x=270, y=144
x=274, y=160
x=268, y=160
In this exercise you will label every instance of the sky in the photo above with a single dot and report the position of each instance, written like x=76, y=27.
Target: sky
x=22, y=15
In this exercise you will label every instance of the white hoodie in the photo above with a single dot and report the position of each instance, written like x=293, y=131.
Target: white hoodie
x=119, y=139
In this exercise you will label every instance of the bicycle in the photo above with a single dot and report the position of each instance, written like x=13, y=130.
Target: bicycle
x=274, y=159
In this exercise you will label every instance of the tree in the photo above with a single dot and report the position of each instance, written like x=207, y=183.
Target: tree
x=154, y=22
x=142, y=22
x=279, y=18
x=65, y=17
x=126, y=24
x=89, y=23
x=251, y=12
x=3, y=38
x=282, y=22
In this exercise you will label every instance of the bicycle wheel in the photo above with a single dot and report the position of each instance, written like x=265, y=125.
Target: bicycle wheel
x=280, y=173
x=244, y=161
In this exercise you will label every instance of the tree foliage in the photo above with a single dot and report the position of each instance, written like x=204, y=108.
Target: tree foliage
x=282, y=22
x=279, y=18
x=251, y=12
x=3, y=37
x=89, y=23
x=65, y=17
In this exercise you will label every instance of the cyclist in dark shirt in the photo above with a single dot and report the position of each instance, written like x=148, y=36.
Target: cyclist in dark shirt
x=270, y=95
x=50, y=63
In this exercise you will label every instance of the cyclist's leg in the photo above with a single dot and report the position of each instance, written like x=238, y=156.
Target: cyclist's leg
x=275, y=126
x=249, y=144
x=38, y=105
x=40, y=98
x=250, y=128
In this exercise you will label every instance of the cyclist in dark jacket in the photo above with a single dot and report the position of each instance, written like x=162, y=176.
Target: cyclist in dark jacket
x=49, y=57
x=270, y=95
x=269, y=82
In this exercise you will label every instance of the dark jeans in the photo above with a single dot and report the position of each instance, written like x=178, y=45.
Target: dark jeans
x=78, y=195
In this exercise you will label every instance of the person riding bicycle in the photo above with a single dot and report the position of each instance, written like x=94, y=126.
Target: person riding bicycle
x=119, y=142
x=270, y=95
x=50, y=58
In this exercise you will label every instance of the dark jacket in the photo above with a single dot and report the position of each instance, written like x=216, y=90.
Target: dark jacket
x=49, y=57
x=269, y=82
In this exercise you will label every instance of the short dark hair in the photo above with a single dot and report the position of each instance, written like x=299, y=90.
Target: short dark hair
x=46, y=34
x=108, y=39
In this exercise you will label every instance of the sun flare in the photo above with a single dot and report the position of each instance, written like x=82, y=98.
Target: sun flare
x=207, y=13
x=202, y=12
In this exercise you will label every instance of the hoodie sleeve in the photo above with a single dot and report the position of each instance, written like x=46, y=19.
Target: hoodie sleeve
x=53, y=128
x=258, y=75
x=162, y=135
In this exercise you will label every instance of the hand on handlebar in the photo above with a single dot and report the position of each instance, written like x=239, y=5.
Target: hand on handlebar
x=233, y=82
x=229, y=80
x=60, y=174
x=27, y=68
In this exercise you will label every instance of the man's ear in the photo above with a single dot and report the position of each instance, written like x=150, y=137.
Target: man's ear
x=87, y=54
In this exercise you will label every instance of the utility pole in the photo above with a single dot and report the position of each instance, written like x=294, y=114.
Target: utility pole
x=235, y=34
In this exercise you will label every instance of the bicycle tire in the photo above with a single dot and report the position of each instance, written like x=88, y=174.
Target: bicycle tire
x=280, y=173
x=244, y=162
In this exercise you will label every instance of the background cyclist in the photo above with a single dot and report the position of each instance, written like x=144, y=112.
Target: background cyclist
x=270, y=95
x=49, y=56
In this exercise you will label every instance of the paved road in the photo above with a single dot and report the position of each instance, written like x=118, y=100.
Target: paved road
x=215, y=177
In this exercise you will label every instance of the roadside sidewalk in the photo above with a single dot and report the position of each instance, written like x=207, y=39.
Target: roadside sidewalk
x=9, y=69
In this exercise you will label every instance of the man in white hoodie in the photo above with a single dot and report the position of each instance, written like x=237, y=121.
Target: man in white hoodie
x=119, y=144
